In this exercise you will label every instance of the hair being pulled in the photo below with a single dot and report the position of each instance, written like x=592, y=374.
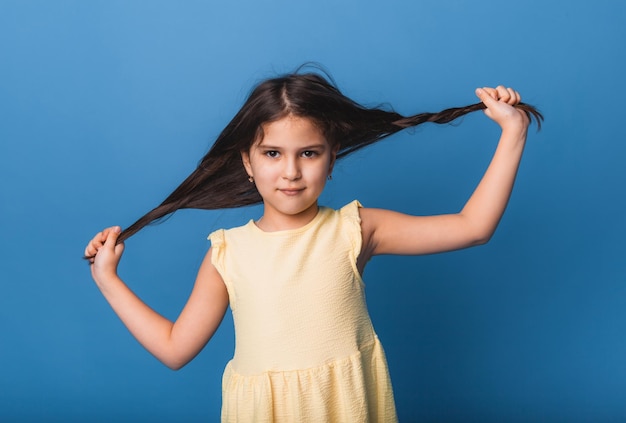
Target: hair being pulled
x=220, y=180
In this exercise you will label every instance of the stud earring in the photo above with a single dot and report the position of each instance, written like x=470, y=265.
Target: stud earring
x=250, y=178
x=330, y=177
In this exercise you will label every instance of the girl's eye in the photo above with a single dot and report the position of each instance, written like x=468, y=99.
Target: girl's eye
x=308, y=154
x=271, y=153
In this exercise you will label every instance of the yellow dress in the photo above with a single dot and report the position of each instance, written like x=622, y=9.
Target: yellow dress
x=305, y=348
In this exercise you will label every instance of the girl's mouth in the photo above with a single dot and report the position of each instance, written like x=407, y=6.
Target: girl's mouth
x=291, y=191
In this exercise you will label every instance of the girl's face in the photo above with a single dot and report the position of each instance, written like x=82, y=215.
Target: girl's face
x=290, y=166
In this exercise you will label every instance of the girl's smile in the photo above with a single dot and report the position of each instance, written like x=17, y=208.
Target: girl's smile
x=291, y=192
x=289, y=166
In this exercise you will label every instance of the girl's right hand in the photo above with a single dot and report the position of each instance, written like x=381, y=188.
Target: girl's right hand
x=104, y=253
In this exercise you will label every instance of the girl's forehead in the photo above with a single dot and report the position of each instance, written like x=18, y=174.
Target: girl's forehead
x=292, y=123
x=291, y=129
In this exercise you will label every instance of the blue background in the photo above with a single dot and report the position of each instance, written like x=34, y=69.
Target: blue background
x=105, y=106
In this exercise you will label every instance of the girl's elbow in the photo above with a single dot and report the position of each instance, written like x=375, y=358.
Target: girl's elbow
x=174, y=360
x=176, y=367
x=481, y=237
x=476, y=231
x=482, y=241
x=174, y=364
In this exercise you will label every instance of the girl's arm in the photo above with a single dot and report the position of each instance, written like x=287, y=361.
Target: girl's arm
x=388, y=232
x=173, y=343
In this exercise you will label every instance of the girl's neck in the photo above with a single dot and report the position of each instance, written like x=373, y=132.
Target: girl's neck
x=274, y=221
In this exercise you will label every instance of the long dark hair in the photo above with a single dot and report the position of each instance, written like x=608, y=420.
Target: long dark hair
x=220, y=180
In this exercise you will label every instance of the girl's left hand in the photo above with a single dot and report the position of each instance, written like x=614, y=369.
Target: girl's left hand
x=500, y=102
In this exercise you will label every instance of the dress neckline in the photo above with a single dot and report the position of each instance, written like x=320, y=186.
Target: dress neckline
x=320, y=212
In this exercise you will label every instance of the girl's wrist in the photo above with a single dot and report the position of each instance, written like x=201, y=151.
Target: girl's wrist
x=515, y=128
x=513, y=137
x=512, y=132
x=106, y=280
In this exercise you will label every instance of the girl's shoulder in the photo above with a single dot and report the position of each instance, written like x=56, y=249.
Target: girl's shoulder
x=351, y=209
x=217, y=236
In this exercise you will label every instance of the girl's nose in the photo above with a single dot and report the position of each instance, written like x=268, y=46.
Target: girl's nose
x=291, y=171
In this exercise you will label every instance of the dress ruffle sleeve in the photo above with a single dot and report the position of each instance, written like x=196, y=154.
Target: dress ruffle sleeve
x=217, y=250
x=350, y=214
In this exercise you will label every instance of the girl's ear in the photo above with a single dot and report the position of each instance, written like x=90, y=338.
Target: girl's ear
x=245, y=158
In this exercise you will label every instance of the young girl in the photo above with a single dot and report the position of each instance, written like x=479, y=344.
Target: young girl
x=305, y=350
